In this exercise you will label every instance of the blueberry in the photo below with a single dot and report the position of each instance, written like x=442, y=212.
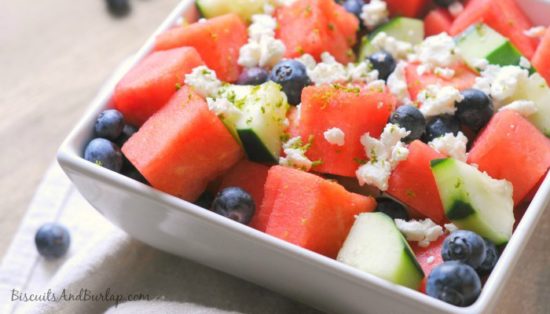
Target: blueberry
x=441, y=125
x=118, y=8
x=52, y=240
x=491, y=258
x=354, y=7
x=234, y=203
x=253, y=76
x=205, y=200
x=109, y=124
x=464, y=246
x=384, y=63
x=104, y=153
x=475, y=110
x=410, y=118
x=391, y=208
x=455, y=283
x=127, y=132
x=292, y=76
x=445, y=3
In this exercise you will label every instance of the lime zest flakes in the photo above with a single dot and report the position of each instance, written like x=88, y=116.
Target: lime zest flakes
x=331, y=26
x=284, y=137
x=410, y=193
x=317, y=163
x=360, y=161
x=178, y=86
x=308, y=9
x=300, y=50
x=99, y=163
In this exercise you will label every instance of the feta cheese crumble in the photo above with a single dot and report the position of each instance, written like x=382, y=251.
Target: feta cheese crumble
x=295, y=151
x=438, y=51
x=437, y=100
x=445, y=73
x=330, y=71
x=430, y=259
x=262, y=48
x=422, y=231
x=450, y=228
x=535, y=32
x=203, y=81
x=451, y=145
x=523, y=107
x=397, y=83
x=481, y=64
x=384, y=155
x=335, y=136
x=524, y=63
x=506, y=82
x=397, y=48
x=223, y=108
x=374, y=13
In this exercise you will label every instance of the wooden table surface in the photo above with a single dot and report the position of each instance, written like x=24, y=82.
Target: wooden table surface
x=55, y=54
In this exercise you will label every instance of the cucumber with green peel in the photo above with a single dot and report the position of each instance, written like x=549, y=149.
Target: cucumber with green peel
x=482, y=42
x=474, y=201
x=260, y=125
x=243, y=8
x=536, y=89
x=400, y=28
x=375, y=245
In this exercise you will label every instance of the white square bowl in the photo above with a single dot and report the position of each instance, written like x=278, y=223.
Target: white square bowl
x=184, y=229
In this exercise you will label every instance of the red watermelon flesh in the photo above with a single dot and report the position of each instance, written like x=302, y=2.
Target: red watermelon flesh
x=249, y=176
x=413, y=184
x=354, y=110
x=293, y=122
x=511, y=148
x=149, y=85
x=409, y=8
x=437, y=21
x=218, y=41
x=429, y=257
x=541, y=60
x=464, y=78
x=183, y=147
x=504, y=16
x=316, y=26
x=309, y=211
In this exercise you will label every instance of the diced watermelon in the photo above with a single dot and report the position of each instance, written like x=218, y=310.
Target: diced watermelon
x=354, y=110
x=437, y=21
x=309, y=211
x=316, y=26
x=183, y=147
x=541, y=59
x=504, y=16
x=429, y=257
x=149, y=85
x=412, y=182
x=293, y=122
x=409, y=8
x=464, y=78
x=249, y=176
x=511, y=148
x=218, y=41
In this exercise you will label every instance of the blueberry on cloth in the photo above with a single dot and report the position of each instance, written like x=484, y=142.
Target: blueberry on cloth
x=455, y=283
x=52, y=240
x=104, y=153
x=234, y=203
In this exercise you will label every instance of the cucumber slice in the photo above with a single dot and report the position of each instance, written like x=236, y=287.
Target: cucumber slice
x=536, y=90
x=376, y=246
x=401, y=28
x=474, y=201
x=261, y=124
x=482, y=42
x=244, y=8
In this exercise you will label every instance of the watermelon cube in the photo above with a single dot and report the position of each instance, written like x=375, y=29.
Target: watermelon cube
x=218, y=41
x=316, y=26
x=541, y=60
x=408, y=8
x=413, y=183
x=438, y=21
x=149, y=85
x=309, y=211
x=249, y=176
x=355, y=111
x=183, y=147
x=511, y=148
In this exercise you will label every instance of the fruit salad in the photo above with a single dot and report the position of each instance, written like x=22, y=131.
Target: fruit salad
x=402, y=138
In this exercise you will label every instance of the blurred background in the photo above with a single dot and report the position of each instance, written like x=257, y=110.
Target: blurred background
x=54, y=56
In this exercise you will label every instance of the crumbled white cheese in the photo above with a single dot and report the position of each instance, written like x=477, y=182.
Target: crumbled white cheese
x=451, y=145
x=308, y=61
x=422, y=69
x=456, y=8
x=438, y=51
x=262, y=49
x=430, y=259
x=295, y=157
x=284, y=2
x=481, y=64
x=203, y=81
x=421, y=231
x=436, y=100
x=335, y=136
x=269, y=9
x=446, y=73
x=361, y=72
x=397, y=83
x=374, y=13
x=523, y=107
x=223, y=107
x=298, y=112
x=384, y=155
x=328, y=71
x=378, y=85
x=524, y=63
x=450, y=227
x=506, y=82
x=397, y=48
x=535, y=32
